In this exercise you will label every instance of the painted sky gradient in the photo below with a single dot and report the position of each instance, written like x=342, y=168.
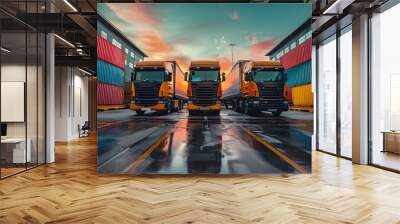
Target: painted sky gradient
x=186, y=32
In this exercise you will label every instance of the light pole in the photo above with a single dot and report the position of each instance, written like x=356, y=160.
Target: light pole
x=232, y=45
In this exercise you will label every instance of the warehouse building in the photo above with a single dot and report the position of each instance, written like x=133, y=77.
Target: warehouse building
x=294, y=52
x=114, y=69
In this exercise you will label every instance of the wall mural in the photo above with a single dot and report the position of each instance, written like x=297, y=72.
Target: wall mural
x=217, y=88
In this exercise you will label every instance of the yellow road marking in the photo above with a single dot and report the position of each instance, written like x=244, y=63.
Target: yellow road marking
x=274, y=150
x=146, y=154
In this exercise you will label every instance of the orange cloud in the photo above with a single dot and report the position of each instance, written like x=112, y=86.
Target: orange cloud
x=261, y=48
x=140, y=13
x=153, y=43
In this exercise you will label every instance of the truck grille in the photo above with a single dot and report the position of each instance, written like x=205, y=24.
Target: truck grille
x=146, y=94
x=204, y=93
x=271, y=94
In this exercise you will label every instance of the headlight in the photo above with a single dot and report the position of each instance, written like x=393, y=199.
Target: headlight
x=161, y=101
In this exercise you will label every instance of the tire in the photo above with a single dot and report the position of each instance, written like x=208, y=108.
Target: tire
x=277, y=113
x=246, y=109
x=139, y=112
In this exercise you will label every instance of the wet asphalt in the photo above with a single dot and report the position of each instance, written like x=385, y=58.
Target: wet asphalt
x=231, y=143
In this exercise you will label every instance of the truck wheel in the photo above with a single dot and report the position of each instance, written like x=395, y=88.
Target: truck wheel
x=246, y=108
x=277, y=113
x=139, y=112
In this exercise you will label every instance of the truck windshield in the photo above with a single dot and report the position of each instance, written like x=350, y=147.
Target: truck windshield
x=204, y=75
x=150, y=75
x=267, y=76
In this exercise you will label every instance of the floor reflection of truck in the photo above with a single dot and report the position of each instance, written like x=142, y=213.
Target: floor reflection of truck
x=158, y=86
x=204, y=87
x=255, y=86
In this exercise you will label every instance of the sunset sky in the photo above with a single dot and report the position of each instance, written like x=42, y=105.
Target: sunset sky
x=186, y=32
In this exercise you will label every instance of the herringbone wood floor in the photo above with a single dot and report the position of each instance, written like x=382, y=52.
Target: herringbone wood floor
x=70, y=191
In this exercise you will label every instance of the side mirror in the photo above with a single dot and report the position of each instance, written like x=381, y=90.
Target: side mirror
x=186, y=76
x=133, y=76
x=169, y=76
x=223, y=78
x=247, y=77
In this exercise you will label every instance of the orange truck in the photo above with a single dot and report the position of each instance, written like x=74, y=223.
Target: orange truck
x=158, y=86
x=204, y=87
x=255, y=86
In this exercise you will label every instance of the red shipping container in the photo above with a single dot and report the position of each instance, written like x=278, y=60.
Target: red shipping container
x=298, y=55
x=109, y=94
x=110, y=53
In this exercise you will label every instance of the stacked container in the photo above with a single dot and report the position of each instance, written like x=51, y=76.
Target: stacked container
x=297, y=64
x=110, y=73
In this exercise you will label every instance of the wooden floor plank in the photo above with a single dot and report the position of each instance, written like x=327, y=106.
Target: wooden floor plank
x=71, y=191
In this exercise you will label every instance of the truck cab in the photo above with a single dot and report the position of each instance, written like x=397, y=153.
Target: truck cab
x=268, y=77
x=157, y=86
x=255, y=86
x=204, y=87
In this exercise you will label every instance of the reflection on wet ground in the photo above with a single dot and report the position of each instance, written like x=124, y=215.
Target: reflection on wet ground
x=178, y=144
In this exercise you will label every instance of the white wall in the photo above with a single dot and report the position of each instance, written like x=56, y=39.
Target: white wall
x=71, y=102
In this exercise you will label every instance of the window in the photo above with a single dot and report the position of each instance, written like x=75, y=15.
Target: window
x=346, y=93
x=302, y=39
x=116, y=43
x=308, y=35
x=327, y=95
x=126, y=51
x=133, y=55
x=293, y=45
x=385, y=89
x=130, y=65
x=103, y=34
x=286, y=50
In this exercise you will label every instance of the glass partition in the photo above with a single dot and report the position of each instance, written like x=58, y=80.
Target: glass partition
x=22, y=77
x=327, y=95
x=346, y=92
x=385, y=89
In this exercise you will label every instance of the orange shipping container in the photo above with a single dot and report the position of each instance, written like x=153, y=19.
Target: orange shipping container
x=302, y=95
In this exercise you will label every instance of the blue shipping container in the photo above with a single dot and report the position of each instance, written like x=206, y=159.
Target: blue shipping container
x=108, y=73
x=299, y=75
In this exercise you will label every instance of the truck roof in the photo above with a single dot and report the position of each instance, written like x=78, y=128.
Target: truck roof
x=267, y=64
x=204, y=63
x=150, y=64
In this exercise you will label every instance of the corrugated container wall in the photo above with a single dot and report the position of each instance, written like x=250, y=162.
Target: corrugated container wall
x=298, y=55
x=108, y=73
x=110, y=53
x=302, y=95
x=109, y=94
x=299, y=75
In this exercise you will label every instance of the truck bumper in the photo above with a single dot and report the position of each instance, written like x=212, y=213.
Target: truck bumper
x=156, y=107
x=192, y=106
x=274, y=107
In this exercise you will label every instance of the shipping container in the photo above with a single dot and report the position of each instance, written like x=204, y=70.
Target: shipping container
x=298, y=55
x=110, y=53
x=302, y=95
x=299, y=75
x=109, y=94
x=108, y=73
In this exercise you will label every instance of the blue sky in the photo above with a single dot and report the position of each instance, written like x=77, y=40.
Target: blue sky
x=193, y=31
